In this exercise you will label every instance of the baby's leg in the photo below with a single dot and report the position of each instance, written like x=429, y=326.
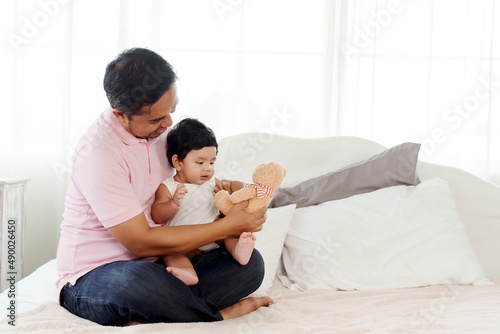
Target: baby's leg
x=181, y=267
x=241, y=248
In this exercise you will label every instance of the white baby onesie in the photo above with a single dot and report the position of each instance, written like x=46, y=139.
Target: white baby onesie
x=197, y=207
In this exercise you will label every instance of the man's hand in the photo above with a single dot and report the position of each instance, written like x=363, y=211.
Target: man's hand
x=243, y=221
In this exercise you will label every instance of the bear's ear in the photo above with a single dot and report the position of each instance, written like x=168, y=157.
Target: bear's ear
x=283, y=171
x=280, y=170
x=261, y=169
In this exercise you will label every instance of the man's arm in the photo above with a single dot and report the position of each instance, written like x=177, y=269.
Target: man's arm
x=143, y=241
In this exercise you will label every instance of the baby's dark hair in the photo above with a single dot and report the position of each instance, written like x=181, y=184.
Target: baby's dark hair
x=187, y=135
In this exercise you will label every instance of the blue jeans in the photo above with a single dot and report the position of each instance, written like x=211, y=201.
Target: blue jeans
x=142, y=291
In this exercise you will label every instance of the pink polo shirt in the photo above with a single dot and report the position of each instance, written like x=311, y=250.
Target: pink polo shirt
x=115, y=177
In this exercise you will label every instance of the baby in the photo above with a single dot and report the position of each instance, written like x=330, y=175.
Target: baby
x=187, y=198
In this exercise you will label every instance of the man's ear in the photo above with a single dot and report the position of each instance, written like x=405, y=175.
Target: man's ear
x=176, y=162
x=120, y=117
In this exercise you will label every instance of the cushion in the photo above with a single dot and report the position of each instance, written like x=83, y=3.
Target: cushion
x=395, y=166
x=270, y=241
x=395, y=237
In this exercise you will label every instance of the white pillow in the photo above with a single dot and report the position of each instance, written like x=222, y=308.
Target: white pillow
x=395, y=237
x=270, y=241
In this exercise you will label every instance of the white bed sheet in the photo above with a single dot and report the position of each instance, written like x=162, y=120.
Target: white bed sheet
x=432, y=309
x=35, y=289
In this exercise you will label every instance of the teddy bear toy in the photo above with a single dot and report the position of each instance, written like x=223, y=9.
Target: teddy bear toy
x=266, y=177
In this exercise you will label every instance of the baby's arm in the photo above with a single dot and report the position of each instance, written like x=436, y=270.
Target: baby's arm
x=229, y=185
x=165, y=205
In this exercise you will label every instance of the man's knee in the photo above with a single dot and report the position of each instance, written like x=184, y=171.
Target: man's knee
x=257, y=265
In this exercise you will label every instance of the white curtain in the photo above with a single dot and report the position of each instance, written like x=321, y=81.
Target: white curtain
x=425, y=71
x=391, y=71
x=242, y=66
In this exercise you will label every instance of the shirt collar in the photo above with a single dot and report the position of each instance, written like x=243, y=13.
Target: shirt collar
x=120, y=131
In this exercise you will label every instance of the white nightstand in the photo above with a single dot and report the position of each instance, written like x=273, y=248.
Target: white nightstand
x=12, y=223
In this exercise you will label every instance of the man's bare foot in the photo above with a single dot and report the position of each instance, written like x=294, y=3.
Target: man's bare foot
x=244, y=248
x=132, y=323
x=187, y=275
x=245, y=306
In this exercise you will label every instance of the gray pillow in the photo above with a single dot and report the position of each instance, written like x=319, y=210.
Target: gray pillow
x=395, y=166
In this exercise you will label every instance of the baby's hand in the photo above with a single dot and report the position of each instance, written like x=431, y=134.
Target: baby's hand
x=179, y=194
x=222, y=185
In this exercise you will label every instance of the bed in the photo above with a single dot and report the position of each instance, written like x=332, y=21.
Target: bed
x=360, y=238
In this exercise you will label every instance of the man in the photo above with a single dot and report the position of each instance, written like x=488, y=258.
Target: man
x=108, y=255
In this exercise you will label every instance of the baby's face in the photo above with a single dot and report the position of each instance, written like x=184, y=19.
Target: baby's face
x=198, y=166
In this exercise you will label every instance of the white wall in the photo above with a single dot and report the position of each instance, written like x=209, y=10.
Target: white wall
x=43, y=217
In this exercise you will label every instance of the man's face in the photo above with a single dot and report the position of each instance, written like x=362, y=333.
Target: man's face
x=155, y=118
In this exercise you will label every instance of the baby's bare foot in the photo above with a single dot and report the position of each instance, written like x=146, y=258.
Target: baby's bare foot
x=245, y=306
x=187, y=275
x=244, y=248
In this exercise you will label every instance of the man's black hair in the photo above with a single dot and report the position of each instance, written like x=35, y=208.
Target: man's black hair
x=137, y=78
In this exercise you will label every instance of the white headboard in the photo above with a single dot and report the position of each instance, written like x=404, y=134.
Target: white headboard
x=303, y=158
